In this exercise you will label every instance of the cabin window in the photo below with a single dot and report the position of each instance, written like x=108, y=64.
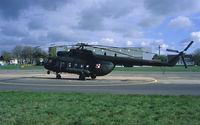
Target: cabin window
x=87, y=66
x=81, y=66
x=63, y=64
x=75, y=65
x=69, y=65
x=57, y=64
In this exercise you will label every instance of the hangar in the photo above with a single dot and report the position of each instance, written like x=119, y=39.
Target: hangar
x=137, y=52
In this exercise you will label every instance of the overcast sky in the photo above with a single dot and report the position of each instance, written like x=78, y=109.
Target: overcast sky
x=135, y=23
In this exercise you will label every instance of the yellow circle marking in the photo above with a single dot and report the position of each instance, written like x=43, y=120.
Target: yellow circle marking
x=151, y=82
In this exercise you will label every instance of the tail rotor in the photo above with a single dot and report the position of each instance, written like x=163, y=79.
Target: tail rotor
x=181, y=53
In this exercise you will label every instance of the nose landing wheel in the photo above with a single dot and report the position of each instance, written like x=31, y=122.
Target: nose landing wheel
x=58, y=76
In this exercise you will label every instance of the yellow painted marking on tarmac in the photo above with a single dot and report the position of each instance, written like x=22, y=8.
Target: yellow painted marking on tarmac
x=113, y=84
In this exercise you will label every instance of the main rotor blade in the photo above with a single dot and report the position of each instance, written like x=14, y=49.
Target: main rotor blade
x=171, y=50
x=188, y=45
x=184, y=61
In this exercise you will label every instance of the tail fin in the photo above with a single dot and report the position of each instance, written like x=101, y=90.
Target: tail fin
x=174, y=60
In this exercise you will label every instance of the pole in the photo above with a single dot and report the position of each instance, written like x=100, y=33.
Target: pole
x=159, y=49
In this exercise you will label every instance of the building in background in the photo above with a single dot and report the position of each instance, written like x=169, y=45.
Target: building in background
x=54, y=49
x=139, y=53
x=14, y=61
x=136, y=52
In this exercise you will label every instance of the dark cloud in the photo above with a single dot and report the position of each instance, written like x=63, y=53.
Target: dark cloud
x=159, y=10
x=36, y=24
x=60, y=35
x=34, y=40
x=92, y=18
x=150, y=21
x=91, y=21
x=11, y=9
x=7, y=43
x=14, y=30
x=40, y=22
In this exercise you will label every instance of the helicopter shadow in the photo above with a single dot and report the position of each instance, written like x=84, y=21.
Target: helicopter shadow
x=62, y=79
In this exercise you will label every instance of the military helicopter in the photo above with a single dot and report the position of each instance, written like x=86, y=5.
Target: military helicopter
x=86, y=63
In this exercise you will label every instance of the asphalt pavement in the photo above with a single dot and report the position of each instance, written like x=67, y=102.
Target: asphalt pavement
x=117, y=82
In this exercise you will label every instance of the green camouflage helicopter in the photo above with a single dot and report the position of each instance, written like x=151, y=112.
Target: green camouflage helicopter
x=86, y=63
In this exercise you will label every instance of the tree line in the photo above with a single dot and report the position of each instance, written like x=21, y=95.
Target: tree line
x=29, y=55
x=24, y=54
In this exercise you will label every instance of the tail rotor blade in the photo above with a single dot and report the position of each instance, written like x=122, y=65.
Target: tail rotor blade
x=171, y=50
x=184, y=61
x=188, y=45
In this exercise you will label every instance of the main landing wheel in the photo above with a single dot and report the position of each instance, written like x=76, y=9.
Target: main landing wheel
x=58, y=76
x=93, y=76
x=82, y=77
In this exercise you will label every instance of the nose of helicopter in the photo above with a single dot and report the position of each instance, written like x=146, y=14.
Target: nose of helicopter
x=46, y=64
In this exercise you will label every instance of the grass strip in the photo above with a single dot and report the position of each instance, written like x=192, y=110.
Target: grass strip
x=169, y=69
x=159, y=69
x=97, y=109
x=21, y=67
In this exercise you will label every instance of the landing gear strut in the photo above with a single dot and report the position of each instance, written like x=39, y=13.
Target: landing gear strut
x=82, y=76
x=58, y=76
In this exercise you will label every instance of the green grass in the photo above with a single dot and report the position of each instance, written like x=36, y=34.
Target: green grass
x=19, y=67
x=50, y=108
x=172, y=69
x=160, y=69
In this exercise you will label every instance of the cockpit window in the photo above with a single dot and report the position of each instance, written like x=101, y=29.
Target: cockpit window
x=51, y=62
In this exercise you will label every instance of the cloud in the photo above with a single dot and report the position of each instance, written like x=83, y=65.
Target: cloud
x=36, y=24
x=11, y=9
x=129, y=43
x=150, y=21
x=127, y=30
x=118, y=22
x=195, y=36
x=14, y=29
x=181, y=22
x=157, y=11
x=93, y=17
x=171, y=7
x=108, y=40
x=60, y=34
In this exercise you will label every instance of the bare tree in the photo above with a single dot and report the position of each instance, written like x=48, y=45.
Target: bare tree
x=7, y=56
x=17, y=53
x=196, y=57
x=27, y=54
x=37, y=52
